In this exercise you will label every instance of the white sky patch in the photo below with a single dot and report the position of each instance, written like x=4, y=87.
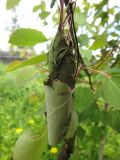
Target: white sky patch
x=26, y=19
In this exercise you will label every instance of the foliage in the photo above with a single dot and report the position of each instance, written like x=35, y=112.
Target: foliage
x=11, y=3
x=34, y=60
x=98, y=109
x=112, y=94
x=31, y=146
x=19, y=109
x=27, y=37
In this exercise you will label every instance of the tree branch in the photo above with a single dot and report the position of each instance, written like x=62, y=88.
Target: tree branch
x=61, y=15
x=80, y=59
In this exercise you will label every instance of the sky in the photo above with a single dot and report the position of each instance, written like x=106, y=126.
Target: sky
x=28, y=19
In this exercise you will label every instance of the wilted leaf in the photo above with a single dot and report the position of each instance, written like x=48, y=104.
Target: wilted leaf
x=27, y=37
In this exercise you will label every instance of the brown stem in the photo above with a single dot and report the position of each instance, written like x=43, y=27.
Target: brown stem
x=67, y=149
x=65, y=153
x=61, y=15
x=80, y=59
x=66, y=2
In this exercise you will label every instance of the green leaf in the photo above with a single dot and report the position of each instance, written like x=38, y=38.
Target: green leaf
x=11, y=3
x=97, y=133
x=104, y=16
x=80, y=132
x=80, y=18
x=34, y=60
x=24, y=76
x=110, y=91
x=112, y=118
x=92, y=113
x=36, y=8
x=112, y=10
x=83, y=98
x=73, y=124
x=44, y=14
x=27, y=37
x=86, y=53
x=99, y=7
x=117, y=17
x=83, y=39
x=118, y=27
x=99, y=42
x=41, y=7
x=30, y=146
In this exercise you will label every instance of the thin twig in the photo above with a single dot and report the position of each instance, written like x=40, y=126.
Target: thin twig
x=110, y=52
x=80, y=59
x=100, y=72
x=82, y=81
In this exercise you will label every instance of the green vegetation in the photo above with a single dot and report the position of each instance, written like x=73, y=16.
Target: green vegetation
x=21, y=107
x=97, y=102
